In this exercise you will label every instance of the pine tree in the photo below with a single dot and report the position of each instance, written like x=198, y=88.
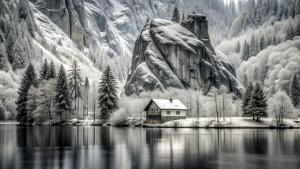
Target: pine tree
x=43, y=71
x=262, y=44
x=75, y=81
x=175, y=16
x=246, y=100
x=245, y=54
x=29, y=78
x=255, y=75
x=51, y=72
x=245, y=81
x=297, y=8
x=280, y=12
x=108, y=99
x=238, y=47
x=295, y=91
x=298, y=30
x=253, y=47
x=258, y=103
x=3, y=57
x=183, y=17
x=62, y=97
x=86, y=94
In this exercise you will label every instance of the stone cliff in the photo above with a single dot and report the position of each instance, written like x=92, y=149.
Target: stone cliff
x=172, y=55
x=69, y=15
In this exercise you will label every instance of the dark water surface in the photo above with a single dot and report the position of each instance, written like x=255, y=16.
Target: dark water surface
x=117, y=148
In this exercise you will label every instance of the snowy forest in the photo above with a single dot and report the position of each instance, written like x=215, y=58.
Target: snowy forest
x=49, y=74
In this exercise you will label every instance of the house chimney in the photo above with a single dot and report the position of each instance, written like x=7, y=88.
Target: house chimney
x=171, y=100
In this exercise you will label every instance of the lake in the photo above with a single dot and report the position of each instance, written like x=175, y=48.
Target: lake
x=75, y=147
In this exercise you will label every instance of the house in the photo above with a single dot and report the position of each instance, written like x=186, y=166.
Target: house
x=165, y=110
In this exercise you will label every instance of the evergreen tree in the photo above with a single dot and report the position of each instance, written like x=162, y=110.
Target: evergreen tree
x=255, y=75
x=253, y=47
x=262, y=44
x=3, y=57
x=238, y=47
x=258, y=103
x=75, y=81
x=175, y=16
x=297, y=8
x=51, y=72
x=29, y=78
x=245, y=81
x=62, y=97
x=295, y=91
x=43, y=71
x=86, y=94
x=290, y=33
x=246, y=100
x=280, y=12
x=298, y=30
x=183, y=17
x=108, y=99
x=245, y=54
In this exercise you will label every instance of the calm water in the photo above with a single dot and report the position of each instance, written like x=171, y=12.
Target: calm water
x=117, y=148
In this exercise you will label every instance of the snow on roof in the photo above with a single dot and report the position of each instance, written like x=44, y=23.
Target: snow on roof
x=167, y=104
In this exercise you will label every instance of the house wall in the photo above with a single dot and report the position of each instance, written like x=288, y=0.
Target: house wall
x=173, y=115
x=150, y=116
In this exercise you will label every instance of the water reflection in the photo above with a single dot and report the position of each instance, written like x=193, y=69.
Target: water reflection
x=109, y=147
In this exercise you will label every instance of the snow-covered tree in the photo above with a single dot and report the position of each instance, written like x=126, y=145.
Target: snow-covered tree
x=280, y=12
x=108, y=99
x=43, y=71
x=245, y=54
x=258, y=103
x=280, y=105
x=29, y=78
x=262, y=44
x=3, y=57
x=175, y=15
x=62, y=98
x=75, y=81
x=86, y=95
x=253, y=46
x=238, y=47
x=295, y=91
x=245, y=81
x=51, y=72
x=255, y=75
x=246, y=100
x=19, y=54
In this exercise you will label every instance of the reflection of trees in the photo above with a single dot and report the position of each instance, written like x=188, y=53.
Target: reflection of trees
x=256, y=142
x=297, y=142
x=152, y=135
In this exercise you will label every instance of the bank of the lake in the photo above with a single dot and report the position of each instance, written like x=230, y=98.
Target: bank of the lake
x=228, y=122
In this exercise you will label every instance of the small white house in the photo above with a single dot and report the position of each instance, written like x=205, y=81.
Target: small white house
x=165, y=110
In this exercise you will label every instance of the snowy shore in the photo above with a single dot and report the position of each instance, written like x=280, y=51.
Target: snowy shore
x=234, y=122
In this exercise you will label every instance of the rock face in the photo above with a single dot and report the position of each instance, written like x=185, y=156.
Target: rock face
x=69, y=15
x=173, y=55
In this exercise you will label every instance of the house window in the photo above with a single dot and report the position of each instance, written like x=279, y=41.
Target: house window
x=168, y=112
x=177, y=112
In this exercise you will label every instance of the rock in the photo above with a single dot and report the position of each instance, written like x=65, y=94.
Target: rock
x=172, y=55
x=69, y=15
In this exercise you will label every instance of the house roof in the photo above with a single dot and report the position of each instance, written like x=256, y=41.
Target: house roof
x=167, y=104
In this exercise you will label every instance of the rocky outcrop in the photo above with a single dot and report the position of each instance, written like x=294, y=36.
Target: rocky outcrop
x=179, y=56
x=69, y=15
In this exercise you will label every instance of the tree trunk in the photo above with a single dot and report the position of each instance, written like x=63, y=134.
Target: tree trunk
x=257, y=119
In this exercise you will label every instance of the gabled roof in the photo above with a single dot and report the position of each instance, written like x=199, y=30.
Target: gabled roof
x=167, y=104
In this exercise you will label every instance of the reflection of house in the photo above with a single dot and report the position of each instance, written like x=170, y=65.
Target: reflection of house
x=165, y=110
